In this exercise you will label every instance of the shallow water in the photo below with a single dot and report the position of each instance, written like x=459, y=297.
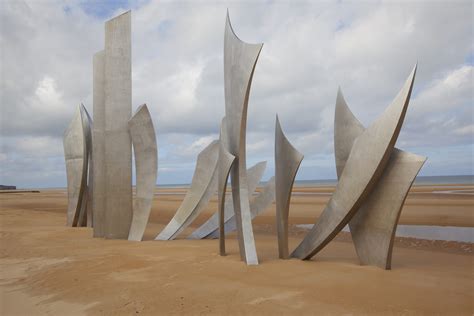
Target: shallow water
x=448, y=233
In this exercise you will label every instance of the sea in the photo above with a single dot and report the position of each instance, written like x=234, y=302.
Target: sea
x=420, y=180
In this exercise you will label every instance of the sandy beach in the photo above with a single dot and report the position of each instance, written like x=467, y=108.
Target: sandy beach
x=50, y=269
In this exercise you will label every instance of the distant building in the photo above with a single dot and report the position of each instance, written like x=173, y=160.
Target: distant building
x=7, y=187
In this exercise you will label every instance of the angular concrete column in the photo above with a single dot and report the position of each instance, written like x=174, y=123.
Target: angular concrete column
x=118, y=108
x=287, y=162
x=367, y=160
x=143, y=136
x=203, y=186
x=239, y=64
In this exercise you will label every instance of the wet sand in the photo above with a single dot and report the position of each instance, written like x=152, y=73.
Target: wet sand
x=49, y=269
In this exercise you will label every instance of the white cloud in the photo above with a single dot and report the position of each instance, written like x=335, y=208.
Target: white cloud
x=441, y=113
x=309, y=50
x=465, y=130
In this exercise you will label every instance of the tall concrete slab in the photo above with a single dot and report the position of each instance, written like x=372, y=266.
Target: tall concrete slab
x=287, y=163
x=240, y=59
x=367, y=160
x=203, y=186
x=143, y=136
x=374, y=225
x=118, y=108
x=98, y=146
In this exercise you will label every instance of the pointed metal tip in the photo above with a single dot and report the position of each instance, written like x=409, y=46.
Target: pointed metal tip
x=229, y=25
x=413, y=72
x=340, y=100
x=262, y=163
x=277, y=122
x=83, y=110
x=144, y=107
x=227, y=17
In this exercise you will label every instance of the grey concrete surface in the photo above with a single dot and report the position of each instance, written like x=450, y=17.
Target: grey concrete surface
x=203, y=186
x=374, y=225
x=239, y=64
x=367, y=160
x=143, y=136
x=98, y=146
x=118, y=108
x=287, y=162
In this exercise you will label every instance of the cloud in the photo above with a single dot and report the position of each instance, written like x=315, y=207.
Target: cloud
x=309, y=50
x=441, y=114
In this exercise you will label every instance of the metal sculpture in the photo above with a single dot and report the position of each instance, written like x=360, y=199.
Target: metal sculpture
x=257, y=205
x=146, y=166
x=88, y=126
x=210, y=229
x=374, y=225
x=226, y=160
x=367, y=160
x=112, y=149
x=374, y=177
x=287, y=162
x=77, y=145
x=203, y=186
x=239, y=64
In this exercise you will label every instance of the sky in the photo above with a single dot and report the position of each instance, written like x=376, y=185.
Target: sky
x=310, y=49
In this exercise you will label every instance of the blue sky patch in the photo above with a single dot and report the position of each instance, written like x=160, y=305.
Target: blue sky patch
x=103, y=8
